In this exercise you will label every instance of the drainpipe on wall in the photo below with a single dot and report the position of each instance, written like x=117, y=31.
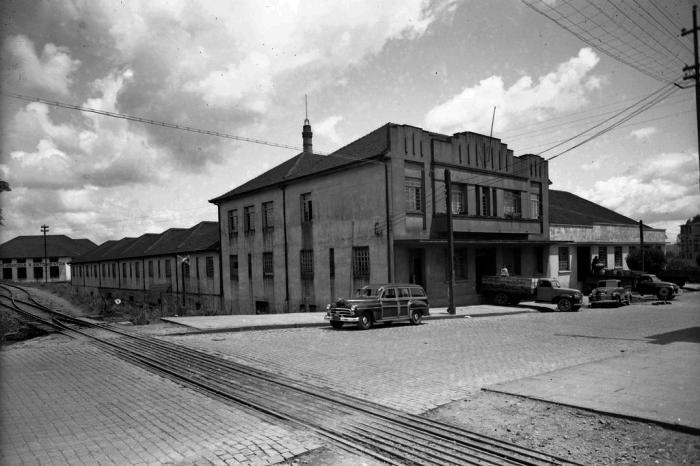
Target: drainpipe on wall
x=389, y=225
x=221, y=263
x=286, y=260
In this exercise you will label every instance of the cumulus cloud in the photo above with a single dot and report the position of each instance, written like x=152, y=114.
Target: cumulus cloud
x=643, y=133
x=660, y=192
x=525, y=100
x=327, y=130
x=51, y=70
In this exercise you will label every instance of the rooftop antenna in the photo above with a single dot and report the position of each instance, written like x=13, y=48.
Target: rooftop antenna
x=306, y=109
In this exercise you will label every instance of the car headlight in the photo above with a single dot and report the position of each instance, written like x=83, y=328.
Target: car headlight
x=353, y=308
x=328, y=307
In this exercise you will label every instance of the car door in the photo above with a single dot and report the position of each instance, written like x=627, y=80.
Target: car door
x=544, y=291
x=390, y=304
x=404, y=297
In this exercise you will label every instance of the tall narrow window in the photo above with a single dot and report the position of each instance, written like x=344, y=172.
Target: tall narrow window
x=306, y=258
x=267, y=264
x=360, y=262
x=124, y=270
x=458, y=204
x=232, y=223
x=618, y=256
x=209, y=265
x=484, y=201
x=414, y=192
x=267, y=216
x=233, y=267
x=168, y=271
x=564, y=259
x=114, y=269
x=150, y=269
x=511, y=204
x=249, y=220
x=603, y=255
x=331, y=262
x=307, y=214
x=250, y=267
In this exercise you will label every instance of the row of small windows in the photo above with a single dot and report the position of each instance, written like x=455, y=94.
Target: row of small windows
x=133, y=269
x=565, y=260
x=267, y=216
x=360, y=264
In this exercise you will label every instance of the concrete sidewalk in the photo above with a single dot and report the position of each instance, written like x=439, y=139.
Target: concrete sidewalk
x=233, y=323
x=659, y=385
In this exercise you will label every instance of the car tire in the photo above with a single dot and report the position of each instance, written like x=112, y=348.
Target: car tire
x=365, y=322
x=665, y=293
x=416, y=316
x=565, y=305
x=500, y=299
x=336, y=324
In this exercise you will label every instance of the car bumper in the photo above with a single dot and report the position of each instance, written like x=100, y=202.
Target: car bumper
x=336, y=318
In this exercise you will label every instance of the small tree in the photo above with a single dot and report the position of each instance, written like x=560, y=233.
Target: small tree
x=654, y=260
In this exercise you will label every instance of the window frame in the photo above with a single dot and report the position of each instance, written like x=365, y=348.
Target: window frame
x=567, y=262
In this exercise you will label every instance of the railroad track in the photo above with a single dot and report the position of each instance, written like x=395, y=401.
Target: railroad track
x=352, y=423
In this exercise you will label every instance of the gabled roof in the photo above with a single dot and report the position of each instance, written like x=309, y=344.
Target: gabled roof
x=306, y=164
x=202, y=237
x=569, y=209
x=56, y=246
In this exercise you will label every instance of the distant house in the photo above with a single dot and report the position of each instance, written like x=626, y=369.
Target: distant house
x=23, y=258
x=689, y=240
x=180, y=265
x=583, y=230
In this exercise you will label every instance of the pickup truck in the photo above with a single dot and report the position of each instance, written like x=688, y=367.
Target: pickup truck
x=504, y=290
x=647, y=283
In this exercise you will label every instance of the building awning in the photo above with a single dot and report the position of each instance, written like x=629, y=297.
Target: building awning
x=476, y=242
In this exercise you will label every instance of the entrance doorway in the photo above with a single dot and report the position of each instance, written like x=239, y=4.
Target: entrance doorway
x=583, y=265
x=416, y=267
x=485, y=262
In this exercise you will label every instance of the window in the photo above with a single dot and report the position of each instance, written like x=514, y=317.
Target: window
x=618, y=256
x=458, y=204
x=485, y=202
x=403, y=293
x=233, y=267
x=103, y=270
x=360, y=262
x=114, y=269
x=186, y=269
x=137, y=266
x=267, y=219
x=331, y=262
x=511, y=204
x=307, y=213
x=535, y=205
x=389, y=293
x=564, y=259
x=603, y=255
x=209, y=266
x=250, y=267
x=168, y=271
x=124, y=270
x=306, y=257
x=160, y=274
x=249, y=220
x=267, y=264
x=38, y=272
x=232, y=223
x=414, y=195
x=150, y=269
x=54, y=271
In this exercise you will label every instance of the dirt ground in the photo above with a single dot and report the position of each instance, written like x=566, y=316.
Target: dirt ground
x=574, y=434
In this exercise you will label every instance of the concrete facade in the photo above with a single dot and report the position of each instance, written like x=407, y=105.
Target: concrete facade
x=378, y=213
x=689, y=241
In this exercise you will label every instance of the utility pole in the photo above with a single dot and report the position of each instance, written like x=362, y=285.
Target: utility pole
x=44, y=230
x=641, y=241
x=696, y=74
x=450, y=246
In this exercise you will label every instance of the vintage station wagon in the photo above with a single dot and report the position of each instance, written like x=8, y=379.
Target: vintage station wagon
x=382, y=303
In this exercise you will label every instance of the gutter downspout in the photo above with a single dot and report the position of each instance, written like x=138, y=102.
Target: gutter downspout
x=389, y=225
x=286, y=250
x=221, y=264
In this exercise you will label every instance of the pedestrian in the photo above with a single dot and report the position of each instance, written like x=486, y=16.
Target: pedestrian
x=504, y=271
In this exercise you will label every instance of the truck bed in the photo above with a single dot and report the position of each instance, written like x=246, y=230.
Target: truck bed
x=515, y=284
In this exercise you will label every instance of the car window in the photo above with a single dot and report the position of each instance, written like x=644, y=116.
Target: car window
x=389, y=293
x=403, y=293
x=544, y=284
x=417, y=292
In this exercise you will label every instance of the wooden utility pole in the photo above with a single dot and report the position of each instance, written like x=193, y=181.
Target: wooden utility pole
x=641, y=241
x=695, y=76
x=450, y=246
x=44, y=230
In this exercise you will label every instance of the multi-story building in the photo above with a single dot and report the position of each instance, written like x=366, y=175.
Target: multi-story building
x=319, y=226
x=177, y=267
x=689, y=241
x=582, y=230
x=37, y=258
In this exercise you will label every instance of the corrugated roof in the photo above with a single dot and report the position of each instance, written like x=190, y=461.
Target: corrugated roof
x=56, y=246
x=370, y=145
x=202, y=237
x=569, y=209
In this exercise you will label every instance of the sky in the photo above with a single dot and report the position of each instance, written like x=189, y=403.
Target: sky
x=244, y=68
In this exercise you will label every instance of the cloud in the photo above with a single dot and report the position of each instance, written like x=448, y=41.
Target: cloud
x=525, y=101
x=660, y=192
x=327, y=130
x=594, y=165
x=52, y=70
x=643, y=133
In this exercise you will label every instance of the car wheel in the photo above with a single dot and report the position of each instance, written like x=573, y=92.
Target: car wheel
x=664, y=293
x=619, y=301
x=564, y=305
x=500, y=299
x=365, y=322
x=416, y=316
x=336, y=324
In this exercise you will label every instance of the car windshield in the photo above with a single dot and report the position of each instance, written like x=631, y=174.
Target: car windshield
x=654, y=278
x=367, y=291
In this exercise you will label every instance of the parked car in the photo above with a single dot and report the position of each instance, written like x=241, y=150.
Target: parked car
x=503, y=290
x=647, y=283
x=610, y=292
x=380, y=303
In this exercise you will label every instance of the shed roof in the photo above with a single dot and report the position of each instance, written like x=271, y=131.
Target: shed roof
x=202, y=237
x=56, y=246
x=566, y=208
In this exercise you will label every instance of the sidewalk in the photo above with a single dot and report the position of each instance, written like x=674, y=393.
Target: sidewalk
x=234, y=323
